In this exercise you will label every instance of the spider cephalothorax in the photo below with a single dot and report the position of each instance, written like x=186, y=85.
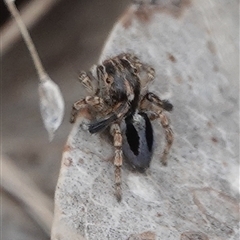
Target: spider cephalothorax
x=118, y=92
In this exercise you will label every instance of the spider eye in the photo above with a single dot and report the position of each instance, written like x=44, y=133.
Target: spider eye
x=135, y=70
x=110, y=69
x=108, y=81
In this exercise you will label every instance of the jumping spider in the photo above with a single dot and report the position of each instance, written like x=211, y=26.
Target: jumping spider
x=119, y=92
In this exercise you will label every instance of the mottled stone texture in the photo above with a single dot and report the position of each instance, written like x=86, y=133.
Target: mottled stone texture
x=193, y=46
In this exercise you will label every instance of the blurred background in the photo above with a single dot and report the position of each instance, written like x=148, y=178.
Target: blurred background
x=69, y=36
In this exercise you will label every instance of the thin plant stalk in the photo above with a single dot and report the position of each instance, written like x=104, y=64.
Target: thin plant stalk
x=28, y=40
x=51, y=100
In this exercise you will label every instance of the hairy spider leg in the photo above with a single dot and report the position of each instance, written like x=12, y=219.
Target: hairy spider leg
x=141, y=68
x=88, y=81
x=93, y=101
x=118, y=158
x=157, y=107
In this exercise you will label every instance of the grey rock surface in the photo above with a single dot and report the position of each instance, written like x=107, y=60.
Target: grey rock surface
x=194, y=47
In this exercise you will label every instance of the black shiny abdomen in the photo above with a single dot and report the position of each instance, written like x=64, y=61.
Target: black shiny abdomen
x=138, y=146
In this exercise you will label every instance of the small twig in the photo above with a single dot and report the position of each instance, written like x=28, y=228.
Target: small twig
x=26, y=36
x=51, y=100
x=16, y=182
x=31, y=13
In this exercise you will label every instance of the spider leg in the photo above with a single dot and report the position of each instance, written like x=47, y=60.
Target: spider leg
x=168, y=135
x=142, y=68
x=152, y=98
x=157, y=106
x=117, y=114
x=88, y=81
x=94, y=101
x=118, y=159
x=150, y=73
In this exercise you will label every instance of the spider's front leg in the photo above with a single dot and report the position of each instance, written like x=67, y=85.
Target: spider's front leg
x=94, y=101
x=88, y=81
x=157, y=106
x=142, y=69
x=118, y=159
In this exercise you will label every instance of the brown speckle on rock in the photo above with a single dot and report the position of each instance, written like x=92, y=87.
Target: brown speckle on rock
x=66, y=148
x=171, y=58
x=143, y=14
x=175, y=8
x=127, y=18
x=143, y=236
x=145, y=10
x=81, y=161
x=191, y=235
x=225, y=164
x=215, y=140
x=209, y=124
x=211, y=47
x=68, y=161
x=159, y=214
x=179, y=79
